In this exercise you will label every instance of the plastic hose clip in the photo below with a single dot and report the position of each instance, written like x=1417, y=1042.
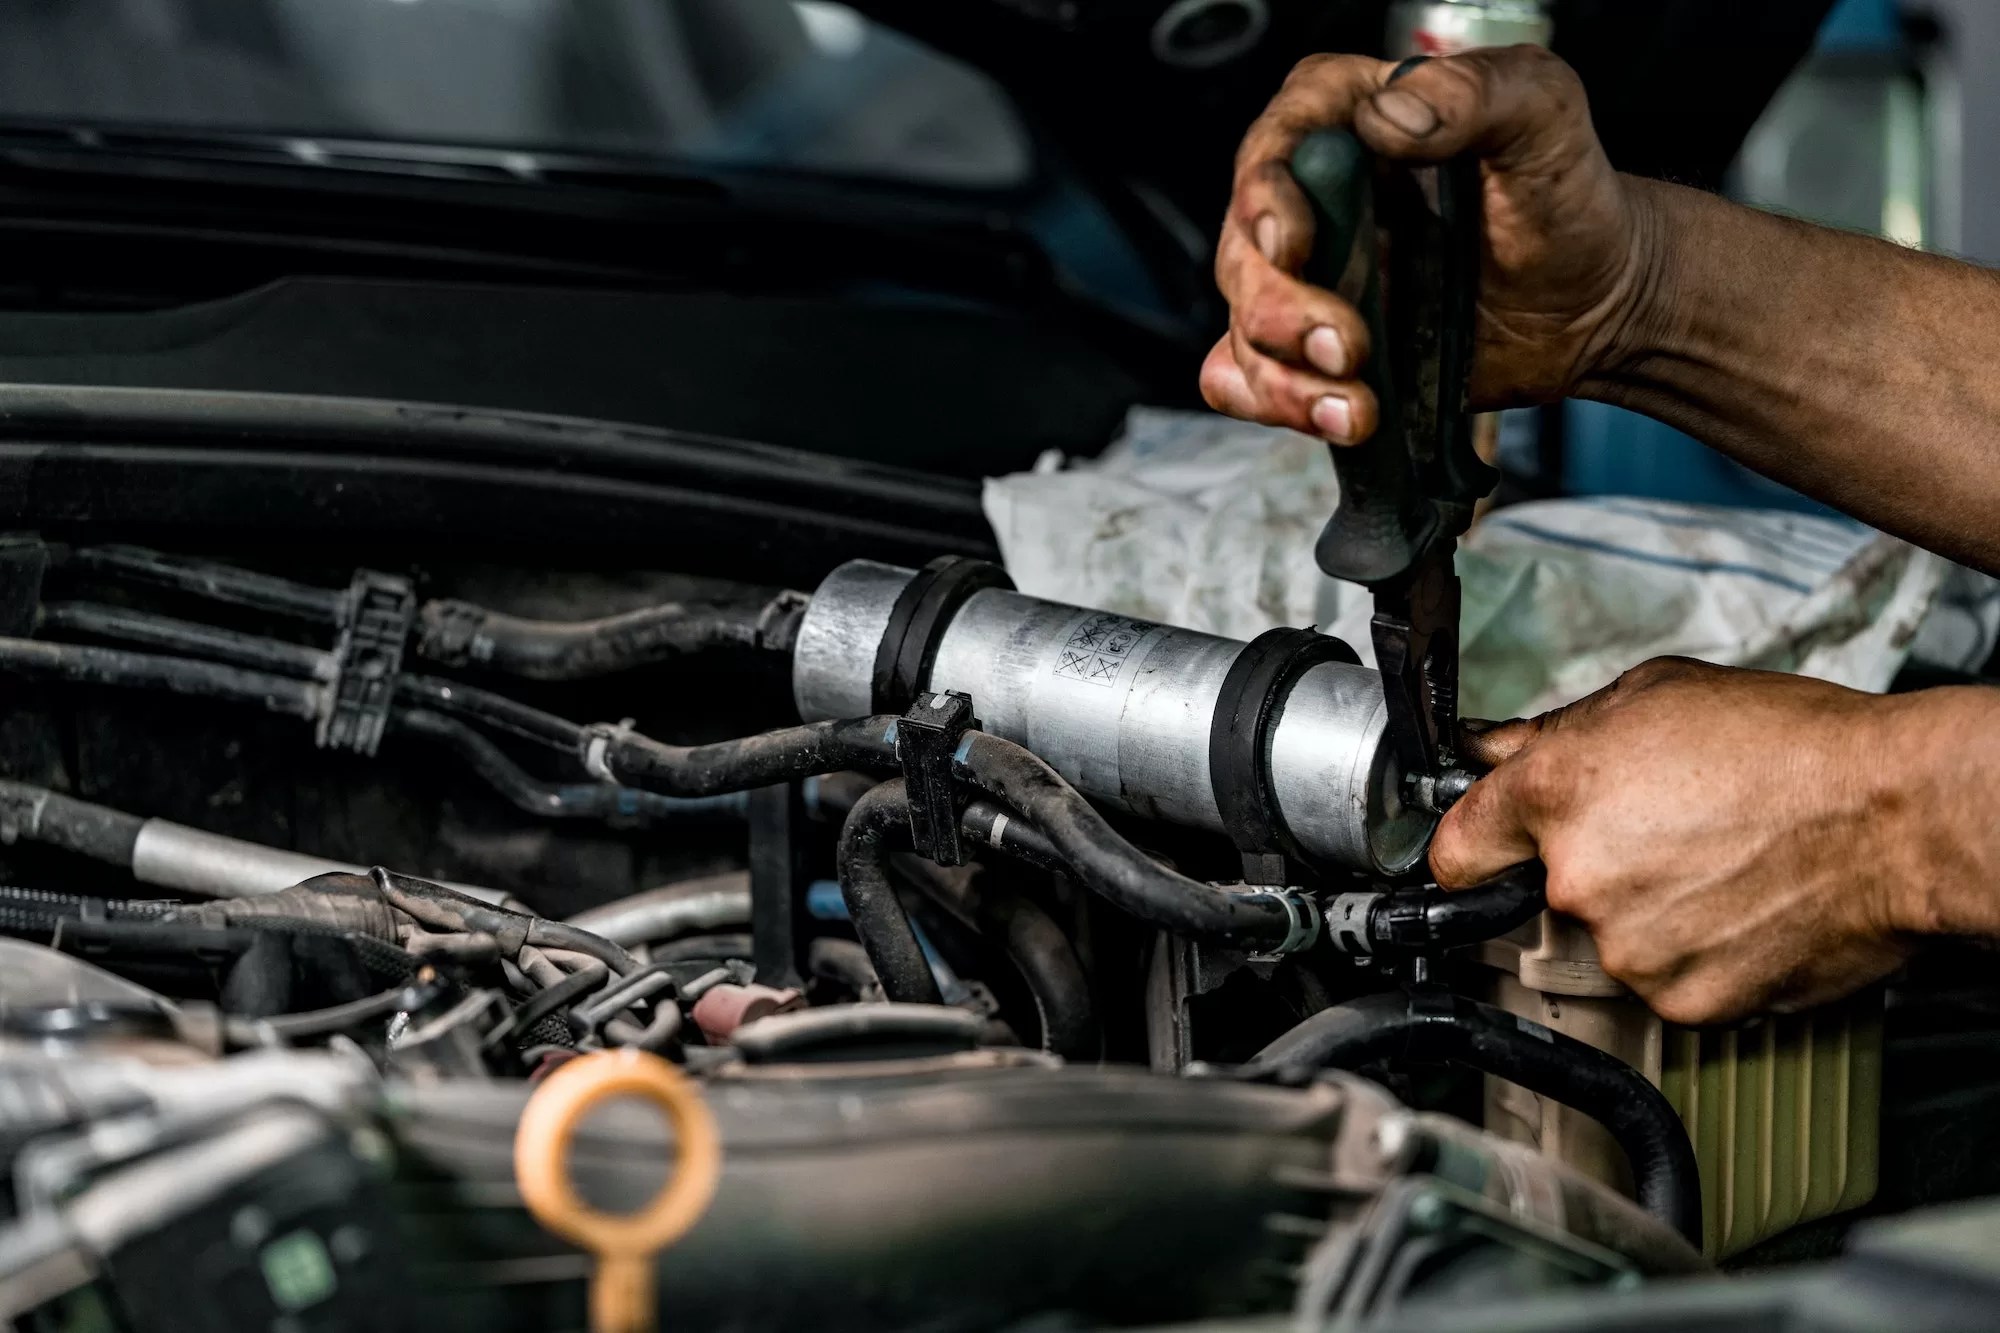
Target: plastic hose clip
x=598, y=738
x=927, y=736
x=380, y=609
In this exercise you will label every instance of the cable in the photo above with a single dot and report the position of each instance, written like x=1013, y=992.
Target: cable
x=317, y=1022
x=539, y=1006
x=495, y=710
x=1437, y=1026
x=459, y=634
x=77, y=664
x=220, y=645
x=584, y=800
x=702, y=948
x=1104, y=862
x=872, y=905
x=214, y=582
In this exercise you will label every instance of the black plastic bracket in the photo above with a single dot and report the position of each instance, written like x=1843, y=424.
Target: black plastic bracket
x=381, y=608
x=1239, y=747
x=927, y=735
x=918, y=621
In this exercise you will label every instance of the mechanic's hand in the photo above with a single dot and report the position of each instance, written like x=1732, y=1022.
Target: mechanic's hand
x=1736, y=841
x=1567, y=244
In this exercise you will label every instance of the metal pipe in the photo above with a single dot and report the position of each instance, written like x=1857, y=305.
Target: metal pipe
x=709, y=903
x=1124, y=709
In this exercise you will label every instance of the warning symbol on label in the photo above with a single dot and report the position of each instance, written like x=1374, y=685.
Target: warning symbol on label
x=1098, y=648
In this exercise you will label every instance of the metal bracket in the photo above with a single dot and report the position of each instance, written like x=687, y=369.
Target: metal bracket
x=926, y=737
x=1303, y=915
x=381, y=608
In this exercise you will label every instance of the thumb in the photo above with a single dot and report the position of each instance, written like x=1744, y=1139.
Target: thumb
x=1485, y=833
x=1487, y=745
x=1509, y=105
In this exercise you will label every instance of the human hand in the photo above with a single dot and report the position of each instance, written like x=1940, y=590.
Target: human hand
x=1740, y=841
x=1568, y=243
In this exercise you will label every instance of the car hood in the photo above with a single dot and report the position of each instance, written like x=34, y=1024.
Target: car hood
x=1675, y=85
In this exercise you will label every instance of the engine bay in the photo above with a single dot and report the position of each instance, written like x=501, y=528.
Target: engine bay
x=994, y=932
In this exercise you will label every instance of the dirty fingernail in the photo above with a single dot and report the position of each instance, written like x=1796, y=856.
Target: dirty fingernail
x=1407, y=112
x=1267, y=237
x=1327, y=350
x=1333, y=416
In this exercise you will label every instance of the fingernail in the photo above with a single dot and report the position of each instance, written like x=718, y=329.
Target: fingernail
x=1327, y=350
x=1266, y=232
x=1407, y=112
x=1333, y=416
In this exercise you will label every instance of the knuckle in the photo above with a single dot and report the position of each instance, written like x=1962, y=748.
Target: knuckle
x=1540, y=782
x=1686, y=1005
x=1314, y=68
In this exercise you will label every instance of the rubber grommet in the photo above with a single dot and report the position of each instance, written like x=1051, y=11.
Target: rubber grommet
x=917, y=623
x=1239, y=736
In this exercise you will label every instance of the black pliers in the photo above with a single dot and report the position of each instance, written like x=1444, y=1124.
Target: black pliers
x=1406, y=495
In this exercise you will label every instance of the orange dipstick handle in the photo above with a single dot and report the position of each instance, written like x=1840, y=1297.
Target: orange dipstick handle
x=621, y=1290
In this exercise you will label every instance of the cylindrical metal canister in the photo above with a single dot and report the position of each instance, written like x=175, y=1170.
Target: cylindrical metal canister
x=1446, y=27
x=1125, y=709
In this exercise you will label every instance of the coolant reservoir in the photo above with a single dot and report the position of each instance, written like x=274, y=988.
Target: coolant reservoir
x=1785, y=1113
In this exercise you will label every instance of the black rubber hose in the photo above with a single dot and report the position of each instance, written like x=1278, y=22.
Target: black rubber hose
x=789, y=754
x=1005, y=831
x=1440, y=1027
x=215, y=582
x=1034, y=944
x=544, y=933
x=878, y=819
x=92, y=830
x=495, y=710
x=567, y=800
x=461, y=634
x=81, y=665
x=186, y=636
x=1431, y=919
x=1104, y=862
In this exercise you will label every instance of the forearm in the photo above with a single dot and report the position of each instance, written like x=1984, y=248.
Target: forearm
x=1859, y=372
x=1938, y=786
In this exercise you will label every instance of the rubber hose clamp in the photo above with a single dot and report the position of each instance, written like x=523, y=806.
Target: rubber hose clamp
x=1239, y=738
x=923, y=612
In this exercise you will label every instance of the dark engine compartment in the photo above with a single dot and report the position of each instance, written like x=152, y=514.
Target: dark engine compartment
x=1021, y=1086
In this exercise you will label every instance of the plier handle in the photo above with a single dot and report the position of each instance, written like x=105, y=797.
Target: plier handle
x=1407, y=494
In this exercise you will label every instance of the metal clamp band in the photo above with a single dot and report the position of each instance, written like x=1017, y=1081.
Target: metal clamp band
x=1239, y=743
x=916, y=624
x=1303, y=917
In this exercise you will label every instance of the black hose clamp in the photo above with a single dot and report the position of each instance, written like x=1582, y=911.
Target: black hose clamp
x=917, y=623
x=375, y=631
x=927, y=737
x=1239, y=746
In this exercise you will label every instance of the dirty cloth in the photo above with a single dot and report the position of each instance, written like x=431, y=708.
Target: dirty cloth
x=1197, y=520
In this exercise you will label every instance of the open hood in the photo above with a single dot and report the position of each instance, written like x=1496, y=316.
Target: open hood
x=1675, y=84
